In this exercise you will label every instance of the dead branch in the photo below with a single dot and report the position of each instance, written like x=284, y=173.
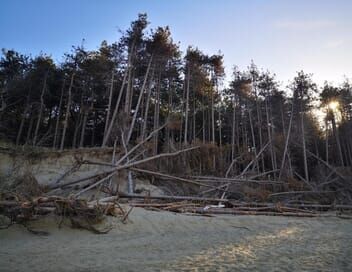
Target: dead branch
x=124, y=218
x=132, y=164
x=172, y=177
x=236, y=212
x=247, y=167
x=190, y=198
x=139, y=144
x=325, y=163
x=95, y=184
x=304, y=180
x=231, y=165
x=301, y=192
x=239, y=181
x=52, y=187
x=75, y=167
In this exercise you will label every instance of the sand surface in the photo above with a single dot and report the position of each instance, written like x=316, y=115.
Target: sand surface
x=162, y=241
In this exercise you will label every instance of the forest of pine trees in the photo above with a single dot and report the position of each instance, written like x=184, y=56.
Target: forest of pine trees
x=121, y=92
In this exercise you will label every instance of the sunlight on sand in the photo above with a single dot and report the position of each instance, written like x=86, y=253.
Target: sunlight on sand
x=232, y=254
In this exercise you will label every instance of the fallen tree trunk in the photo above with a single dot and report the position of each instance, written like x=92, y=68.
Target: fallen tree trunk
x=237, y=212
x=117, y=168
x=174, y=178
x=289, y=205
x=326, y=164
x=301, y=192
x=240, y=181
x=132, y=164
x=95, y=184
x=140, y=144
x=56, y=186
x=246, y=169
x=161, y=197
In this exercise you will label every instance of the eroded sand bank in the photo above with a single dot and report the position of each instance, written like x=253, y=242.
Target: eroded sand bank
x=162, y=241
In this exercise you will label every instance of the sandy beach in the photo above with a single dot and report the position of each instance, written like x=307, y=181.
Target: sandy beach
x=163, y=241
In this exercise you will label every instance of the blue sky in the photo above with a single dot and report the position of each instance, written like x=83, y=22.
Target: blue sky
x=281, y=36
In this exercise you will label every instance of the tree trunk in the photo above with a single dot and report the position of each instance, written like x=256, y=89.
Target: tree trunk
x=273, y=140
x=287, y=139
x=19, y=134
x=220, y=124
x=92, y=142
x=40, y=110
x=253, y=137
x=59, y=114
x=187, y=106
x=233, y=139
x=156, y=113
x=110, y=101
x=268, y=126
x=336, y=134
x=128, y=91
x=203, y=117
x=212, y=118
x=84, y=124
x=67, y=115
x=349, y=149
x=284, y=134
x=30, y=128
x=194, y=118
x=139, y=101
x=326, y=141
x=114, y=115
x=78, y=125
x=221, y=159
x=167, y=129
x=145, y=121
x=259, y=118
x=304, y=145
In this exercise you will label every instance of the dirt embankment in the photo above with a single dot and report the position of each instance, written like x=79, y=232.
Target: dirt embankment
x=163, y=241
x=47, y=166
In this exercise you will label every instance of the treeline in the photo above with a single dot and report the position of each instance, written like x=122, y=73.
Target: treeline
x=123, y=91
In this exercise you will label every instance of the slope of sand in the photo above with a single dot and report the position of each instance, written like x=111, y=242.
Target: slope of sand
x=162, y=241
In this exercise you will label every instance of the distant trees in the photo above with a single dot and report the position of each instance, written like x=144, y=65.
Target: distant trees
x=124, y=90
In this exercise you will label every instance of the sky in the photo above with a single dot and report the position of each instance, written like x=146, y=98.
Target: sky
x=280, y=36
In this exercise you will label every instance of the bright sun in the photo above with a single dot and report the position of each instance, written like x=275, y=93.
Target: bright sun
x=321, y=113
x=333, y=105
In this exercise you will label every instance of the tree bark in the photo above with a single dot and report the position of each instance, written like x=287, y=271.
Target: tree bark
x=268, y=126
x=110, y=101
x=19, y=134
x=336, y=134
x=187, y=106
x=40, y=110
x=233, y=139
x=156, y=113
x=287, y=138
x=67, y=115
x=84, y=124
x=212, y=118
x=114, y=115
x=58, y=114
x=145, y=121
x=304, y=145
x=30, y=127
x=139, y=101
x=260, y=133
